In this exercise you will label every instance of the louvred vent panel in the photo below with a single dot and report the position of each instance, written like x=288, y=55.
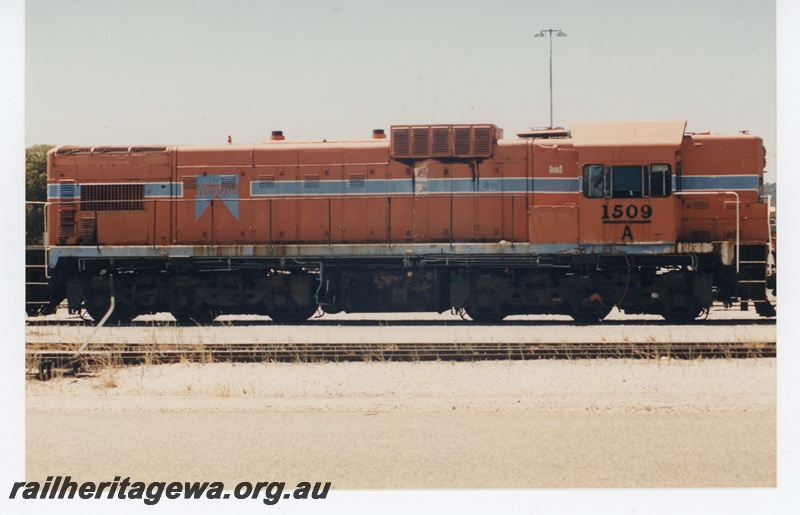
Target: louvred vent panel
x=109, y=150
x=432, y=141
x=112, y=197
x=66, y=223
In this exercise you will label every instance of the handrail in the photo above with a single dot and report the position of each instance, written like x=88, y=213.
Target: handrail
x=44, y=205
x=769, y=226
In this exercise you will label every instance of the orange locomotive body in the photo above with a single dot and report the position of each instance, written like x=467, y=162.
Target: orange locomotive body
x=437, y=217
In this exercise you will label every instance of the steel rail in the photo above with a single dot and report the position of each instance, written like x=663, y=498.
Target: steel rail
x=46, y=357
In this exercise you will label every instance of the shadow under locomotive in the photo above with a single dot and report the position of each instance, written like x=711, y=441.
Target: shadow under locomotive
x=355, y=322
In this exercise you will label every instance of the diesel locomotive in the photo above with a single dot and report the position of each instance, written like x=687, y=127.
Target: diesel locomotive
x=641, y=216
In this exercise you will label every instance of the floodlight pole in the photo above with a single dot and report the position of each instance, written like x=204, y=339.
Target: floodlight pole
x=541, y=34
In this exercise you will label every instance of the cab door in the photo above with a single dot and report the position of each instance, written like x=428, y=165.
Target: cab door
x=629, y=203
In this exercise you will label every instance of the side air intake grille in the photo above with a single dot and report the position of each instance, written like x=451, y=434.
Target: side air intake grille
x=66, y=223
x=430, y=141
x=112, y=197
x=87, y=228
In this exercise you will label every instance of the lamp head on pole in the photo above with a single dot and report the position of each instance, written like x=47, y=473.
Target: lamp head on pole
x=543, y=32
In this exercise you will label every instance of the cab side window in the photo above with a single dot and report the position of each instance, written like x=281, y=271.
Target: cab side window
x=660, y=180
x=627, y=181
x=593, y=181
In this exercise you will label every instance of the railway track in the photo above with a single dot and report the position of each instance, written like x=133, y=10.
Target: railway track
x=45, y=358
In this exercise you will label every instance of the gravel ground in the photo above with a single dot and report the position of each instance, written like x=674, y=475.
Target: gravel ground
x=415, y=425
x=533, y=424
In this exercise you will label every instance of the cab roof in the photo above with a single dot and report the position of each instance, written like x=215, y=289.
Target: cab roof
x=664, y=133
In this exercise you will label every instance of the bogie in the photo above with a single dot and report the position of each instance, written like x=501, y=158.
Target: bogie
x=486, y=295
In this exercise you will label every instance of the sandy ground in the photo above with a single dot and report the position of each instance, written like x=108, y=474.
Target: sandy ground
x=599, y=423
x=505, y=424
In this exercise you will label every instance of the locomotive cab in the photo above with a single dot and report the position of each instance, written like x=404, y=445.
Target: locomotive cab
x=626, y=172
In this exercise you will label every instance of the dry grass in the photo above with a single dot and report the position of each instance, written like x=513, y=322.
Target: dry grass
x=108, y=371
x=108, y=378
x=223, y=390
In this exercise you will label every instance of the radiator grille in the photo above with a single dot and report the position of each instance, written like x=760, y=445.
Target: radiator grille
x=482, y=141
x=112, y=197
x=148, y=149
x=440, y=141
x=427, y=141
x=109, y=150
x=462, y=144
x=401, y=141
x=73, y=150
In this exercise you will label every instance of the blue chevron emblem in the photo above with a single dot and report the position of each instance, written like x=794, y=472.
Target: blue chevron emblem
x=225, y=187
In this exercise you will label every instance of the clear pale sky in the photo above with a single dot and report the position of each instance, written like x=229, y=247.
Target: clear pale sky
x=194, y=72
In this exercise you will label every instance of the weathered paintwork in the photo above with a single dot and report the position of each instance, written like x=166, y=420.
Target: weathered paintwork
x=285, y=193
x=636, y=215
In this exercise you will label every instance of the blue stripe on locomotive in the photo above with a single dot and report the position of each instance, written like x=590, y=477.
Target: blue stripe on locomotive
x=71, y=191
